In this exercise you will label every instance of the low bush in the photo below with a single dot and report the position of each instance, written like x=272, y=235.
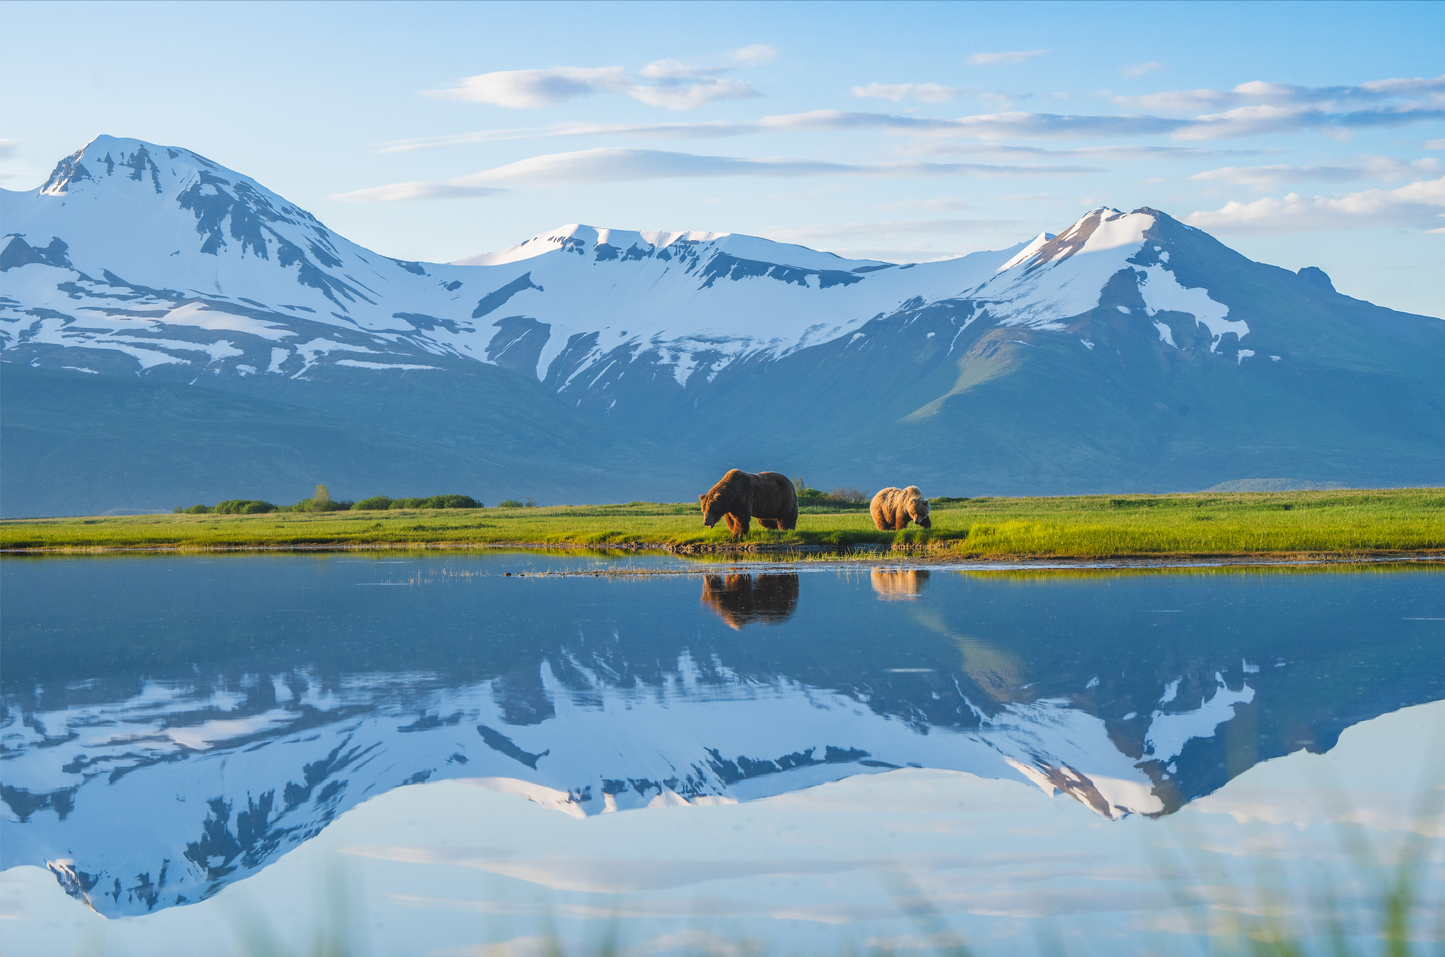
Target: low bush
x=509, y=503
x=811, y=496
x=243, y=506
x=947, y=500
x=312, y=505
x=374, y=504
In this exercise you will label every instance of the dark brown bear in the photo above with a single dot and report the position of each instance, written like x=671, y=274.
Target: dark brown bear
x=742, y=496
x=893, y=508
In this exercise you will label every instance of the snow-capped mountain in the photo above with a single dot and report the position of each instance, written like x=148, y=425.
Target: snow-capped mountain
x=212, y=240
x=141, y=260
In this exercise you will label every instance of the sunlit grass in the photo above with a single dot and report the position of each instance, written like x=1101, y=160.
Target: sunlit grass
x=1339, y=523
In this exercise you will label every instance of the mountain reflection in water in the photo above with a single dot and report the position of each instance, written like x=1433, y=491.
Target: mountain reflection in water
x=745, y=600
x=171, y=725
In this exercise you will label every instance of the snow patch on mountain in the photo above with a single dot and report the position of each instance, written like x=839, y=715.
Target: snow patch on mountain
x=1163, y=293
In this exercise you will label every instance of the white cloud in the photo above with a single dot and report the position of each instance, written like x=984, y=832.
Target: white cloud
x=925, y=92
x=691, y=95
x=678, y=86
x=8, y=149
x=636, y=165
x=1276, y=176
x=755, y=54
x=401, y=192
x=1140, y=69
x=1435, y=144
x=532, y=89
x=677, y=70
x=993, y=59
x=1420, y=205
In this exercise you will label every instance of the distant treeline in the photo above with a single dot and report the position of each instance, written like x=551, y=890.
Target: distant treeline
x=323, y=502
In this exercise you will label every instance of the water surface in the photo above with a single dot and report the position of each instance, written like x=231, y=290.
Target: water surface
x=172, y=725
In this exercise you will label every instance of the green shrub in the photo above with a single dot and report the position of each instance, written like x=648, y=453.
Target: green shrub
x=452, y=501
x=243, y=506
x=312, y=505
x=509, y=503
x=811, y=496
x=946, y=500
x=374, y=504
x=196, y=510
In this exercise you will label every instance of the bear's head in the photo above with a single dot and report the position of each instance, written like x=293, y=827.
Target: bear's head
x=721, y=498
x=918, y=506
x=712, y=509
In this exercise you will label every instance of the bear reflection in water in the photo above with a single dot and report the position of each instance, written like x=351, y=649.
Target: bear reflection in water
x=745, y=600
x=893, y=585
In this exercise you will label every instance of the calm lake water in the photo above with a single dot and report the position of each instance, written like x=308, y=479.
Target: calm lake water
x=424, y=753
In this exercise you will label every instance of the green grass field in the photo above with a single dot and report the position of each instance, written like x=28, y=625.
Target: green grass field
x=1346, y=523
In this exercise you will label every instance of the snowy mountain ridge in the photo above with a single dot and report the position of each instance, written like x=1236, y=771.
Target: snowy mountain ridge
x=159, y=227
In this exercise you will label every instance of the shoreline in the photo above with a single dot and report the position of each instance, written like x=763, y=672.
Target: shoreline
x=769, y=554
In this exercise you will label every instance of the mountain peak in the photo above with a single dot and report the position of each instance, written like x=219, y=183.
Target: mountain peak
x=138, y=160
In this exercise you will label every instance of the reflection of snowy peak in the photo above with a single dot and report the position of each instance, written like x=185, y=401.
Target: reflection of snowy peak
x=241, y=775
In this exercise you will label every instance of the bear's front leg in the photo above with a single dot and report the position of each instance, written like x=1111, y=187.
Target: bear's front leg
x=738, y=523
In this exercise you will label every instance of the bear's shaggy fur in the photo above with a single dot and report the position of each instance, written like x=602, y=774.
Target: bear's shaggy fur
x=894, y=508
x=739, y=497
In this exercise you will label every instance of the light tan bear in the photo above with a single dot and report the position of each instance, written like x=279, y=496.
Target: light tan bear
x=894, y=508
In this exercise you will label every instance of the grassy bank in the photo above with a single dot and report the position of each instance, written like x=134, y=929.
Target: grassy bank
x=1341, y=522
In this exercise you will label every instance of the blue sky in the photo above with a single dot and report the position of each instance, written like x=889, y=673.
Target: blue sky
x=1300, y=134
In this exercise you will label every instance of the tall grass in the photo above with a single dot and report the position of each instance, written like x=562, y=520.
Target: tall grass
x=1337, y=523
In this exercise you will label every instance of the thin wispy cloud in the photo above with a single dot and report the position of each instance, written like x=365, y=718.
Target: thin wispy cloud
x=1420, y=205
x=1258, y=92
x=534, y=89
x=923, y=92
x=1140, y=69
x=634, y=165
x=937, y=205
x=1121, y=152
x=1279, y=175
x=755, y=54
x=672, y=84
x=8, y=149
x=1005, y=59
x=406, y=192
x=815, y=121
